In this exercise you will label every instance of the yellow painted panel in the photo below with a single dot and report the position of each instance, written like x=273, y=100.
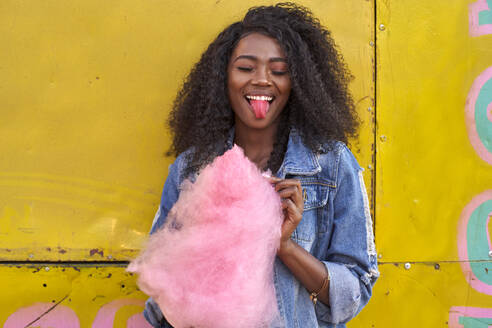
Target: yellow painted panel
x=422, y=296
x=85, y=90
x=433, y=183
x=428, y=170
x=98, y=297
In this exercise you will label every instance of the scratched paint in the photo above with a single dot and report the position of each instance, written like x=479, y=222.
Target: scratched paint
x=479, y=115
x=480, y=18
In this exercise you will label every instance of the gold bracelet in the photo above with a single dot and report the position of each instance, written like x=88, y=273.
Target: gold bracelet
x=314, y=295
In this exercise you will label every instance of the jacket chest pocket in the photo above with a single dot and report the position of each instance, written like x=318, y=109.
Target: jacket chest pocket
x=315, y=195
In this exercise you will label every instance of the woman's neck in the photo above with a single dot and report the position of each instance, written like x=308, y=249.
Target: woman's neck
x=257, y=144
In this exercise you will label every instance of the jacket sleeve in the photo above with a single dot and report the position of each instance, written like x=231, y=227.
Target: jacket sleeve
x=169, y=196
x=351, y=257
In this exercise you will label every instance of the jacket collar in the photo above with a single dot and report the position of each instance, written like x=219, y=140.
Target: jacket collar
x=298, y=159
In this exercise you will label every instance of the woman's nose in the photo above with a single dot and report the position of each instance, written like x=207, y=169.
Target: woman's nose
x=262, y=78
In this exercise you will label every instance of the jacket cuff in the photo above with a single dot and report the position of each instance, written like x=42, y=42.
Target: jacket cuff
x=153, y=313
x=344, y=295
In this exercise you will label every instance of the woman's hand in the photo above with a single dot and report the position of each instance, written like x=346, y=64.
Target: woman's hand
x=290, y=192
x=310, y=271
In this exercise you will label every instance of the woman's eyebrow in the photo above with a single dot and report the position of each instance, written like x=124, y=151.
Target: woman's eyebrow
x=246, y=57
x=278, y=59
x=254, y=58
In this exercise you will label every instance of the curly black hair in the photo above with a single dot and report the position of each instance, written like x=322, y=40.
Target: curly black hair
x=320, y=106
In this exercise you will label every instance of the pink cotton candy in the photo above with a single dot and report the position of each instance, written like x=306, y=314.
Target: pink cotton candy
x=211, y=265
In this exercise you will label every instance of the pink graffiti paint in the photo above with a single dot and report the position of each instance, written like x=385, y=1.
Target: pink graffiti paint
x=470, y=115
x=107, y=313
x=137, y=321
x=463, y=311
x=462, y=242
x=60, y=317
x=475, y=28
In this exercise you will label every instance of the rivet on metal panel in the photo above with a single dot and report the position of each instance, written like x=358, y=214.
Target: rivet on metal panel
x=371, y=43
x=31, y=256
x=382, y=27
x=383, y=138
x=380, y=256
x=110, y=257
x=490, y=253
x=46, y=268
x=408, y=266
x=369, y=167
x=437, y=266
x=369, y=109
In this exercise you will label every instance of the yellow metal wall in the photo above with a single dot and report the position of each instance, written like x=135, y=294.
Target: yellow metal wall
x=70, y=296
x=433, y=165
x=86, y=87
x=85, y=90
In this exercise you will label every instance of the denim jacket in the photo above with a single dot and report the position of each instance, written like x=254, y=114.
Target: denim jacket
x=336, y=227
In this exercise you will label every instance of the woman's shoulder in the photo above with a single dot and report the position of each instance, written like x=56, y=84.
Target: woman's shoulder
x=179, y=167
x=337, y=152
x=183, y=158
x=336, y=158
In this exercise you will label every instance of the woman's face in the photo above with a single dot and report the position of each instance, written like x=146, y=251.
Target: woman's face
x=258, y=81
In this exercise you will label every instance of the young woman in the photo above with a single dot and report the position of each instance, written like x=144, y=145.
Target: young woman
x=275, y=85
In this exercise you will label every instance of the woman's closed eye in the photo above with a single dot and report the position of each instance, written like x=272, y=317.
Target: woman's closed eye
x=279, y=68
x=245, y=68
x=279, y=72
x=250, y=69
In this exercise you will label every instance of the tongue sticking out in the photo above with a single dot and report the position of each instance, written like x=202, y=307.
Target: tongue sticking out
x=260, y=107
